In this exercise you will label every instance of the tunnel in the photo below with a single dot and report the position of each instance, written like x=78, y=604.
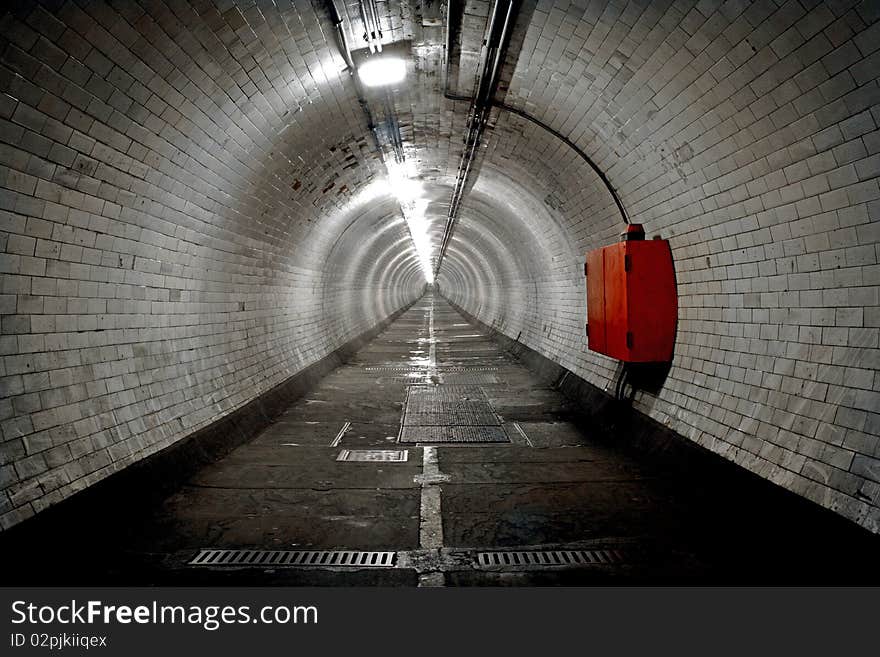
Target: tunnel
x=294, y=291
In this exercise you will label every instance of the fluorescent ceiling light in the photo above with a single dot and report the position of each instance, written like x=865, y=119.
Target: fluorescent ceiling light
x=381, y=71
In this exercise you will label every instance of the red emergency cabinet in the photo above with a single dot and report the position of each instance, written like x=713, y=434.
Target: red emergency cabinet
x=632, y=306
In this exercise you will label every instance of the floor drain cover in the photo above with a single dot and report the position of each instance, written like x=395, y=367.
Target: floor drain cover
x=295, y=558
x=453, y=435
x=546, y=558
x=372, y=455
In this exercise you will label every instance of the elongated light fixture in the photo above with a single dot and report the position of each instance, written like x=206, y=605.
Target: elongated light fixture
x=381, y=71
x=411, y=195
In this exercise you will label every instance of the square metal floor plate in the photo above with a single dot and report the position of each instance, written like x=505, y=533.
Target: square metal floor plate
x=446, y=434
x=374, y=455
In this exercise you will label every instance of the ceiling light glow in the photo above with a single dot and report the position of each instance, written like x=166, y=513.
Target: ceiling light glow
x=411, y=196
x=382, y=71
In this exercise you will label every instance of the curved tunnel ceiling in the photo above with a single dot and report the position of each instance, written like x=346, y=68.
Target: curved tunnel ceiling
x=193, y=190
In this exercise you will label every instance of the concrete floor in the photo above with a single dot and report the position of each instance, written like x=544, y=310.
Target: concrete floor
x=553, y=485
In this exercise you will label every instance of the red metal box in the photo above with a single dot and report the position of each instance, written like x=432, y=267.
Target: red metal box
x=632, y=306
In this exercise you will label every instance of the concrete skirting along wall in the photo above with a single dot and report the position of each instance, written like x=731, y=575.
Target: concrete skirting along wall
x=632, y=430
x=147, y=482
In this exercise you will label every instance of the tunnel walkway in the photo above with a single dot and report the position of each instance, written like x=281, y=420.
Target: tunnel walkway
x=437, y=451
x=421, y=391
x=429, y=378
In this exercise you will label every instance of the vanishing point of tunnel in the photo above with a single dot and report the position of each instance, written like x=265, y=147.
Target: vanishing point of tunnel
x=440, y=292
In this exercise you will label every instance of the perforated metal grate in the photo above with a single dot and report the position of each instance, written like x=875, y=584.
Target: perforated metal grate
x=512, y=559
x=464, y=368
x=471, y=348
x=449, y=414
x=421, y=370
x=422, y=434
x=396, y=370
x=466, y=377
x=478, y=418
x=426, y=404
x=392, y=348
x=373, y=455
x=454, y=356
x=445, y=393
x=412, y=380
x=295, y=558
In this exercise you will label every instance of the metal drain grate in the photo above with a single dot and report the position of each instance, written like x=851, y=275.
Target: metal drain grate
x=426, y=404
x=466, y=377
x=458, y=361
x=410, y=434
x=412, y=380
x=468, y=347
x=546, y=558
x=468, y=418
x=440, y=368
x=396, y=370
x=374, y=455
x=390, y=348
x=445, y=393
x=295, y=558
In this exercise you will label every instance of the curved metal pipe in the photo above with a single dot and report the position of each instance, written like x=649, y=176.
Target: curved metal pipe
x=568, y=142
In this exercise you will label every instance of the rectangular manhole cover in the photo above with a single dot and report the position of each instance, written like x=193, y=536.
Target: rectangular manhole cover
x=441, y=434
x=374, y=455
x=512, y=559
x=295, y=558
